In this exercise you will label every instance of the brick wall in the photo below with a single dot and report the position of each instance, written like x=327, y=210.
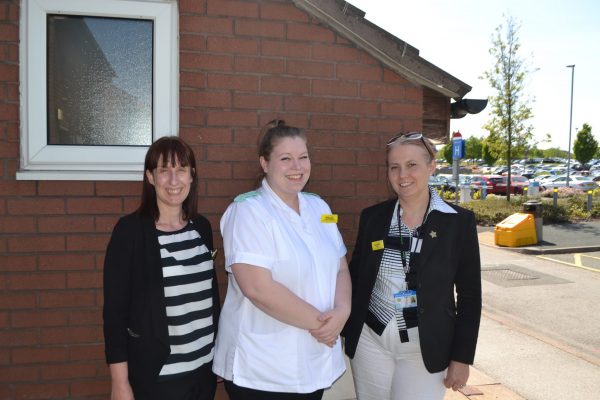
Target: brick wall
x=242, y=63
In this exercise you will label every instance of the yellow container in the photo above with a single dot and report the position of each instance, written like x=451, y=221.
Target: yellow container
x=516, y=230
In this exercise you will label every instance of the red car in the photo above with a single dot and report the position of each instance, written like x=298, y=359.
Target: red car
x=517, y=183
x=490, y=181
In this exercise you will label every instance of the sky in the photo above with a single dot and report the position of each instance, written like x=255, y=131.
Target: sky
x=456, y=36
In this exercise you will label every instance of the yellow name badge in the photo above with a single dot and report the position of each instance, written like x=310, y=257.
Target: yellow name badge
x=377, y=245
x=329, y=218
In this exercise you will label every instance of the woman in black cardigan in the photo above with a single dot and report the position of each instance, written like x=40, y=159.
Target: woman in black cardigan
x=407, y=336
x=160, y=295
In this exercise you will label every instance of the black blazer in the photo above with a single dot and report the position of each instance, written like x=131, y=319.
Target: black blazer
x=135, y=319
x=449, y=259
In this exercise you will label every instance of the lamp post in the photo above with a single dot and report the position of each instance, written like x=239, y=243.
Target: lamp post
x=570, y=123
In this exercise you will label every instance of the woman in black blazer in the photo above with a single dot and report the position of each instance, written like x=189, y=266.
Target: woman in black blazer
x=407, y=336
x=161, y=300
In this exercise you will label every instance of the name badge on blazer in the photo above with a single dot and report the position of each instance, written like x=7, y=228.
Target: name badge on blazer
x=329, y=218
x=377, y=245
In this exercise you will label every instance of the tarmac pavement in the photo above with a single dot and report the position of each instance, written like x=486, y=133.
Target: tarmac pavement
x=557, y=239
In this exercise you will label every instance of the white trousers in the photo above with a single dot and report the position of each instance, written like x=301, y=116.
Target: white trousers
x=383, y=368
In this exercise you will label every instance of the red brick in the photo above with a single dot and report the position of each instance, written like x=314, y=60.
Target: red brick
x=196, y=80
x=9, y=32
x=104, y=224
x=308, y=104
x=15, y=374
x=267, y=29
x=202, y=24
x=246, y=170
x=130, y=205
x=9, y=112
x=17, y=188
x=65, y=188
x=334, y=52
x=232, y=45
x=355, y=173
x=413, y=94
x=231, y=118
x=38, y=206
x=359, y=141
x=284, y=85
x=334, y=189
x=85, y=317
x=81, y=388
x=96, y=205
x=108, y=188
x=19, y=337
x=69, y=335
x=84, y=280
x=36, y=244
x=12, y=92
x=385, y=125
x=257, y=102
x=9, y=72
x=4, y=321
x=309, y=33
x=67, y=299
x=232, y=8
x=33, y=355
x=230, y=188
x=38, y=319
x=9, y=150
x=333, y=156
x=206, y=136
x=382, y=91
x=65, y=224
x=68, y=371
x=40, y=280
x=17, y=225
x=236, y=82
x=404, y=110
x=310, y=69
x=259, y=64
x=205, y=62
x=192, y=116
x=17, y=301
x=42, y=391
x=393, y=77
x=349, y=205
x=299, y=120
x=334, y=88
x=379, y=189
x=197, y=98
x=359, y=72
x=333, y=122
x=370, y=157
x=10, y=262
x=321, y=138
x=282, y=12
x=232, y=154
x=356, y=107
x=61, y=262
x=215, y=205
x=246, y=136
x=95, y=242
x=87, y=352
x=285, y=49
x=192, y=6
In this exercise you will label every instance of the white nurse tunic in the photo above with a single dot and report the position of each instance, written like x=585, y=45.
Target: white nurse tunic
x=253, y=349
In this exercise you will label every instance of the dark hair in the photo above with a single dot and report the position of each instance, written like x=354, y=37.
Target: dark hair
x=171, y=149
x=271, y=134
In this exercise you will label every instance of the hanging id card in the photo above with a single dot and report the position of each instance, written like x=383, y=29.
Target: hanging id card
x=405, y=299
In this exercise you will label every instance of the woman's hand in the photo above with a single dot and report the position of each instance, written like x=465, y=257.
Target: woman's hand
x=457, y=375
x=121, y=392
x=332, y=323
x=120, y=387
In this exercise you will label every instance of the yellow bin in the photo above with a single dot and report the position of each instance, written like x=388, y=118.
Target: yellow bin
x=516, y=230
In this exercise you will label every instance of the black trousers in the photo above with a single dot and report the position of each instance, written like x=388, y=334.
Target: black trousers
x=236, y=392
x=198, y=385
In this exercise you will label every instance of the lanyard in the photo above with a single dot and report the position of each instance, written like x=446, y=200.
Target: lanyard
x=403, y=256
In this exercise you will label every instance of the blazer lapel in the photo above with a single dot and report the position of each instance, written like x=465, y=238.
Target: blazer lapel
x=431, y=235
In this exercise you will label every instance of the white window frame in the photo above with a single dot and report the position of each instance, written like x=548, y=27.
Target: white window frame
x=40, y=161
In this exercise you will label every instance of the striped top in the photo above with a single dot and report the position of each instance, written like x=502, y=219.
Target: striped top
x=393, y=270
x=187, y=269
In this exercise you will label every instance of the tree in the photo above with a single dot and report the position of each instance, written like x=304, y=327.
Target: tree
x=473, y=147
x=447, y=152
x=489, y=157
x=509, y=131
x=585, y=145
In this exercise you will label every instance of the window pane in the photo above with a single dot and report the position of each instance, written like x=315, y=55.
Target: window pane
x=99, y=81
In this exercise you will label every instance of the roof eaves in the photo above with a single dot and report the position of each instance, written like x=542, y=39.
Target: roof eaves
x=399, y=56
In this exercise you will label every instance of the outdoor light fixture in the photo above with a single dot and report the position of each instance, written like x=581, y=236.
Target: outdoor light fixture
x=460, y=108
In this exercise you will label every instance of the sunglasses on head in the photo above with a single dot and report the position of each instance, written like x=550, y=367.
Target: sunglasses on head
x=406, y=137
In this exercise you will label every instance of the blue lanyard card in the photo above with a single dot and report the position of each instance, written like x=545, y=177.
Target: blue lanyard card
x=405, y=299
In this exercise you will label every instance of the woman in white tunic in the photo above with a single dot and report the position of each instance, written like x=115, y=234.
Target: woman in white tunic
x=288, y=295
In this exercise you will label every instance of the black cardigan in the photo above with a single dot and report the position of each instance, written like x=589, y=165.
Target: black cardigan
x=449, y=259
x=135, y=319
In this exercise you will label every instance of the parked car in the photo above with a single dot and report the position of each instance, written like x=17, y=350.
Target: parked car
x=517, y=184
x=575, y=181
x=492, y=181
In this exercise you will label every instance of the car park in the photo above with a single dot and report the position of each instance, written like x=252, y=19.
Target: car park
x=575, y=181
x=518, y=183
